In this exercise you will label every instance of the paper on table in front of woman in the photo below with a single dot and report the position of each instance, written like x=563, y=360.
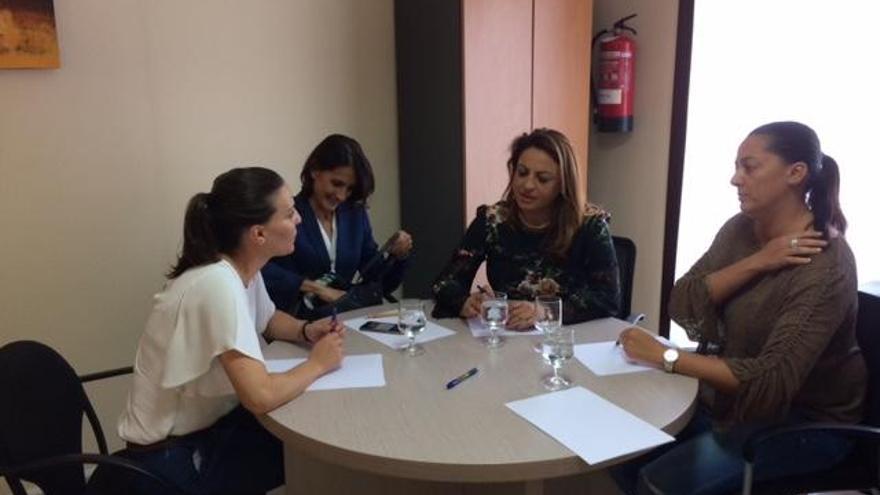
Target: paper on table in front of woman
x=431, y=332
x=608, y=358
x=356, y=371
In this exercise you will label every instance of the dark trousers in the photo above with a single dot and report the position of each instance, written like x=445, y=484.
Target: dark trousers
x=704, y=461
x=235, y=456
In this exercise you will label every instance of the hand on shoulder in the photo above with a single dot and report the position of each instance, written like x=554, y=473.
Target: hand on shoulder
x=788, y=250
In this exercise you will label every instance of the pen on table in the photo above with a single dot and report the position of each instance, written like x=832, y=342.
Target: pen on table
x=464, y=376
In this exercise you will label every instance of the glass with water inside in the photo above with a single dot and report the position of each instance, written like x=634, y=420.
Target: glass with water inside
x=412, y=321
x=558, y=349
x=493, y=313
x=548, y=317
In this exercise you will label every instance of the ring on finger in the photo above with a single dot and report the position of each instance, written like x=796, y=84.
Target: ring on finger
x=793, y=243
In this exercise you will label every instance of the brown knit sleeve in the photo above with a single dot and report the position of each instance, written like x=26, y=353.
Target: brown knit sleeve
x=812, y=311
x=689, y=303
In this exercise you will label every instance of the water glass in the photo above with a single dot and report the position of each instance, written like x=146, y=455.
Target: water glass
x=558, y=349
x=548, y=317
x=411, y=321
x=493, y=313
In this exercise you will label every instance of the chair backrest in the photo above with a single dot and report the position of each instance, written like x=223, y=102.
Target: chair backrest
x=41, y=413
x=868, y=335
x=626, y=261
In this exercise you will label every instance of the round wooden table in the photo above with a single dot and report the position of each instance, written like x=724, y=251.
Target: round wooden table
x=414, y=436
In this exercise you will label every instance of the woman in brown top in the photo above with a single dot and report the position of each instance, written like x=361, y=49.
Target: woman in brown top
x=773, y=304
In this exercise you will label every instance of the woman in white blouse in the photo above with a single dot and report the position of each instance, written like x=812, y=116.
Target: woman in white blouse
x=199, y=358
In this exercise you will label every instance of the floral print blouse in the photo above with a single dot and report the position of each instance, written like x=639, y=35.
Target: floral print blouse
x=518, y=263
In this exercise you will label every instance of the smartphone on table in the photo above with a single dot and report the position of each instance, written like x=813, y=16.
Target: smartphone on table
x=379, y=326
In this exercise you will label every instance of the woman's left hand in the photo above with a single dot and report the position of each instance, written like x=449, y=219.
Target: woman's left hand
x=641, y=346
x=402, y=246
x=521, y=315
x=316, y=330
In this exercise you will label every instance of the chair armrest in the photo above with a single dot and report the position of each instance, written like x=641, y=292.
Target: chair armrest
x=90, y=411
x=21, y=470
x=750, y=448
x=100, y=375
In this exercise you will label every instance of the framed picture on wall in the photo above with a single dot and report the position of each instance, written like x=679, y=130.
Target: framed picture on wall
x=28, y=39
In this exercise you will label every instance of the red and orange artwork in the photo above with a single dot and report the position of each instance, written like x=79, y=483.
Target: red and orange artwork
x=28, y=39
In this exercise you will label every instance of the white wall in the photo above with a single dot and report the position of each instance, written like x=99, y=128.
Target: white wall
x=627, y=173
x=154, y=99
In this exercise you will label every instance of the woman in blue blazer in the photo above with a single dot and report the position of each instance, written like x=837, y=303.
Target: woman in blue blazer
x=336, y=260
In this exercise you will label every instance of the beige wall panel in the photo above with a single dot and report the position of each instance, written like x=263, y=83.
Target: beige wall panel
x=561, y=72
x=497, y=92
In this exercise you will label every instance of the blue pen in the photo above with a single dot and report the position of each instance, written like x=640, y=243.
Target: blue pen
x=464, y=376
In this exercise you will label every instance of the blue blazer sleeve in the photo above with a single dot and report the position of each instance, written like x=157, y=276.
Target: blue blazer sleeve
x=284, y=275
x=282, y=284
x=390, y=271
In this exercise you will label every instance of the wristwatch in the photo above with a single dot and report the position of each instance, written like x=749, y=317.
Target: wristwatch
x=670, y=357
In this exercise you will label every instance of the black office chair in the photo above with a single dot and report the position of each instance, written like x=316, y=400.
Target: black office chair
x=626, y=262
x=41, y=413
x=859, y=471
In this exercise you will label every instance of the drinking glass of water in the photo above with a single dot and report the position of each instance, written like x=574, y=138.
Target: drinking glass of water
x=411, y=321
x=558, y=349
x=548, y=317
x=493, y=313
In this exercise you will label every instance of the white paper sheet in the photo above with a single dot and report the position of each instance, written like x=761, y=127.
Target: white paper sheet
x=431, y=332
x=479, y=330
x=590, y=426
x=606, y=358
x=602, y=358
x=360, y=371
x=605, y=324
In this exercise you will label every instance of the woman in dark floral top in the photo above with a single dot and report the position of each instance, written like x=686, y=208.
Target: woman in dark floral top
x=538, y=240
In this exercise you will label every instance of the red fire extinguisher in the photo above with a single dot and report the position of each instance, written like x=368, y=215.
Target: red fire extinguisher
x=614, y=80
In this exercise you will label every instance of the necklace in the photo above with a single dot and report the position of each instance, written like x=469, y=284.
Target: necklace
x=532, y=226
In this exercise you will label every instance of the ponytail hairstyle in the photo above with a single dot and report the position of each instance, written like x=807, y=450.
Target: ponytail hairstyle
x=569, y=211
x=795, y=142
x=215, y=221
x=335, y=151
